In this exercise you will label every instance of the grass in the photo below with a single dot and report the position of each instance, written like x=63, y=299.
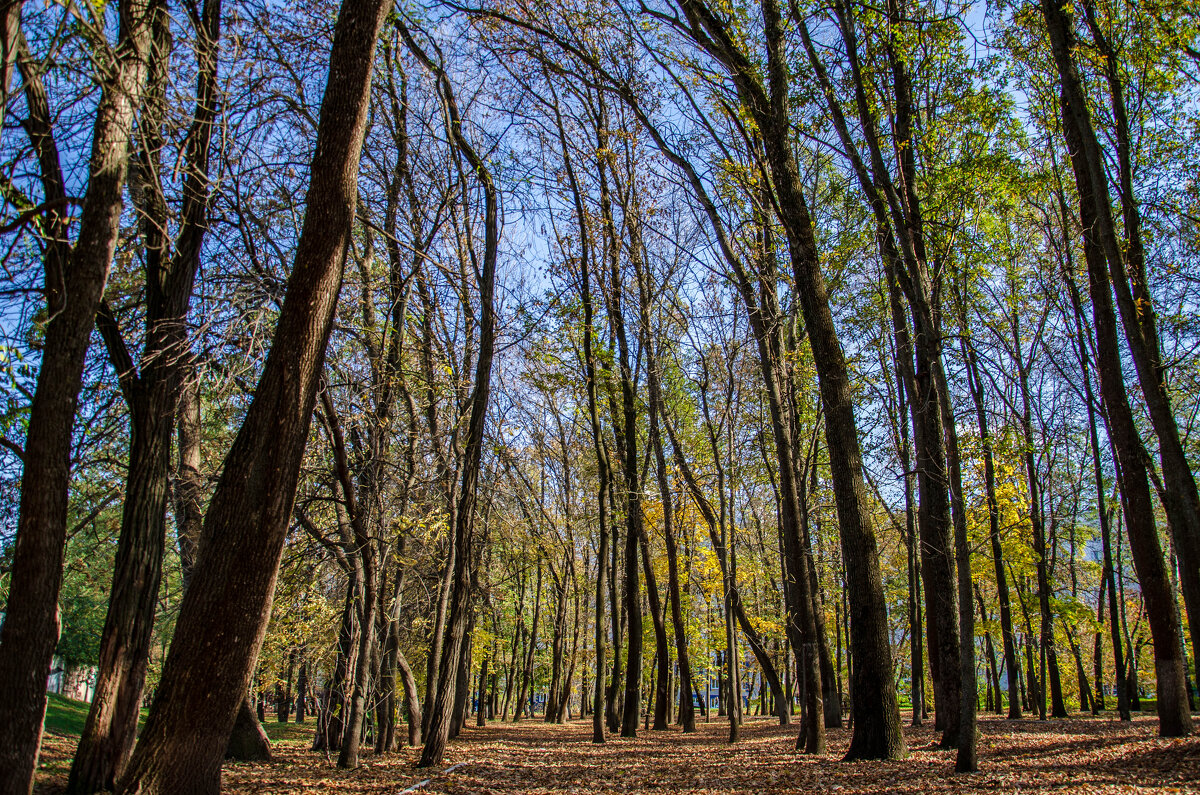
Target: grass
x=65, y=716
x=299, y=733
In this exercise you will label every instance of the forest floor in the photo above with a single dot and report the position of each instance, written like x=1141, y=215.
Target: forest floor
x=1079, y=756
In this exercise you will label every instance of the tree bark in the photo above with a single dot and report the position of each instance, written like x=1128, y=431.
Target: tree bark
x=247, y=740
x=464, y=529
x=217, y=636
x=975, y=383
x=75, y=282
x=1100, y=243
x=153, y=395
x=1127, y=269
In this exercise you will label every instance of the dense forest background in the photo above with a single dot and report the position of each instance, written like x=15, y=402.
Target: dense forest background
x=398, y=367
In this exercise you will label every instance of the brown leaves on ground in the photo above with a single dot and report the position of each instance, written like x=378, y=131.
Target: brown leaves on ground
x=1077, y=757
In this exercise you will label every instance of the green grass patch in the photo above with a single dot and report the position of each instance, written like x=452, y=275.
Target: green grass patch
x=289, y=732
x=65, y=716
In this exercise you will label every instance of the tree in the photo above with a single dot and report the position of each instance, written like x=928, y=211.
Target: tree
x=251, y=506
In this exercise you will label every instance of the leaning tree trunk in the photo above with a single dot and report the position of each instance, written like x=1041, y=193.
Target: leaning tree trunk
x=464, y=531
x=1108, y=573
x=875, y=709
x=75, y=281
x=152, y=396
x=1180, y=499
x=625, y=432
x=1099, y=240
x=217, y=636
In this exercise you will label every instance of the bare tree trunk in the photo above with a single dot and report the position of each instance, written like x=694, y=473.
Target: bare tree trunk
x=1127, y=269
x=302, y=688
x=975, y=382
x=247, y=740
x=153, y=395
x=687, y=712
x=217, y=637
x=1100, y=243
x=75, y=282
x=10, y=35
x=443, y=704
x=830, y=695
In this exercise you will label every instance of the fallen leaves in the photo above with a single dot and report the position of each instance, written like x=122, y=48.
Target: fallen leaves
x=1080, y=756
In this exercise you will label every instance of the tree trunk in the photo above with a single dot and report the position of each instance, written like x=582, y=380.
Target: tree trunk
x=1099, y=240
x=251, y=508
x=152, y=397
x=75, y=282
x=975, y=382
x=524, y=691
x=830, y=695
x=443, y=704
x=247, y=740
x=283, y=701
x=1127, y=269
x=603, y=473
x=302, y=690
x=1108, y=576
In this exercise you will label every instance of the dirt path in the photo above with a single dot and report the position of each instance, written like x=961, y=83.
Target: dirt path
x=1076, y=757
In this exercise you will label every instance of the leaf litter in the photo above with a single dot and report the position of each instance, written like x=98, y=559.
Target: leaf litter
x=1078, y=756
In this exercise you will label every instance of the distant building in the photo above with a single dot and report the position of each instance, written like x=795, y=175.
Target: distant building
x=77, y=682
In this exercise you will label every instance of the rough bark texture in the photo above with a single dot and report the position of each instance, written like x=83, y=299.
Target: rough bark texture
x=152, y=396
x=75, y=281
x=217, y=635
x=1127, y=269
x=443, y=704
x=1102, y=252
x=248, y=741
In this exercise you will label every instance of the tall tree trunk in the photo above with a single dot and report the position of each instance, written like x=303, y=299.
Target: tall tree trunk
x=332, y=719
x=1041, y=549
x=877, y=732
x=75, y=282
x=687, y=711
x=443, y=704
x=830, y=691
x=603, y=469
x=1099, y=242
x=625, y=428
x=302, y=688
x=975, y=383
x=153, y=395
x=363, y=556
x=526, y=679
x=557, y=644
x=900, y=236
x=1127, y=269
x=662, y=695
x=251, y=507
x=283, y=702
x=1108, y=573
